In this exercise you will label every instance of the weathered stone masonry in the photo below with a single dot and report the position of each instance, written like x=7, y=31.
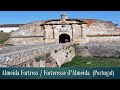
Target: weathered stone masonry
x=56, y=30
x=95, y=38
x=51, y=56
x=100, y=50
x=75, y=30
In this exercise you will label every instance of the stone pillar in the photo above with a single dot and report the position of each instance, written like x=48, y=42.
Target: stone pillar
x=72, y=31
x=53, y=27
x=83, y=31
x=44, y=37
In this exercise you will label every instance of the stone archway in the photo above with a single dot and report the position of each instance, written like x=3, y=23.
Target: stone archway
x=63, y=38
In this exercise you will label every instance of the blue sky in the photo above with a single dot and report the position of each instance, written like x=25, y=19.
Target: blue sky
x=22, y=17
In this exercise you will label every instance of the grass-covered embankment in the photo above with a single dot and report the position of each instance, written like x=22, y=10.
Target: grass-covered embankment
x=3, y=37
x=79, y=61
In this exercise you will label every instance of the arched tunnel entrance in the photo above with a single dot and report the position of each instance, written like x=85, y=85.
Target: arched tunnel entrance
x=63, y=38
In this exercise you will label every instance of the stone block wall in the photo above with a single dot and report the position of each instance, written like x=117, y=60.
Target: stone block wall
x=33, y=33
x=30, y=29
x=103, y=50
x=26, y=40
x=104, y=39
x=102, y=32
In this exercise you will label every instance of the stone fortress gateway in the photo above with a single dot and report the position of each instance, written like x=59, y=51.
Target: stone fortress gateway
x=92, y=37
x=65, y=29
x=57, y=30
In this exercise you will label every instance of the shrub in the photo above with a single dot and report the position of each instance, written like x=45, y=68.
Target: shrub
x=37, y=59
x=47, y=55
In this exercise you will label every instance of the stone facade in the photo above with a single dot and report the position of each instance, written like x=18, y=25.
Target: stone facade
x=49, y=31
x=57, y=30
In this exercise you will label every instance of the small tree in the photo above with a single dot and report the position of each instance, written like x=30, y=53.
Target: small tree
x=37, y=59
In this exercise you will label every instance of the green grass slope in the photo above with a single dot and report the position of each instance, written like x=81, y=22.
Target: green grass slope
x=3, y=37
x=79, y=61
